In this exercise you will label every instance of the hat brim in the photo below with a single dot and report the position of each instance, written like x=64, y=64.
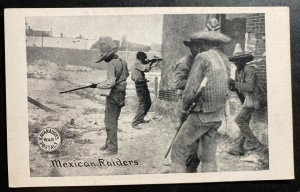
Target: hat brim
x=190, y=43
x=212, y=36
x=106, y=54
x=187, y=43
x=245, y=57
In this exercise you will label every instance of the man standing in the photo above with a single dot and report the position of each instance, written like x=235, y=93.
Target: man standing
x=139, y=67
x=183, y=66
x=182, y=70
x=206, y=115
x=117, y=74
x=245, y=84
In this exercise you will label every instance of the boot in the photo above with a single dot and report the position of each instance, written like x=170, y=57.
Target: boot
x=237, y=148
x=104, y=147
x=252, y=145
x=108, y=152
x=145, y=121
x=136, y=126
x=236, y=151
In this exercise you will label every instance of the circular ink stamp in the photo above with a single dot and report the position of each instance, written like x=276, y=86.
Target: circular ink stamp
x=49, y=139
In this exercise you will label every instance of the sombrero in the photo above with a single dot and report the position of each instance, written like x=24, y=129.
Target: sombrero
x=209, y=36
x=107, y=47
x=239, y=54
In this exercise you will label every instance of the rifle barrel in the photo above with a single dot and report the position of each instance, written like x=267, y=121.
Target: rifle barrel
x=75, y=89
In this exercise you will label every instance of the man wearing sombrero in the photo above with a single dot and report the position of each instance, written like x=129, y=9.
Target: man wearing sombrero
x=117, y=73
x=183, y=66
x=245, y=85
x=208, y=111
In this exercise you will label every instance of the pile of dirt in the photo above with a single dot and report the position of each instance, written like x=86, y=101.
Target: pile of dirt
x=43, y=69
x=76, y=68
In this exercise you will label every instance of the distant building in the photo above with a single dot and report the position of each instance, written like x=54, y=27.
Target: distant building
x=36, y=33
x=38, y=38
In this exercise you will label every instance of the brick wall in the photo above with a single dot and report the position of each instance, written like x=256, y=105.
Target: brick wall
x=255, y=42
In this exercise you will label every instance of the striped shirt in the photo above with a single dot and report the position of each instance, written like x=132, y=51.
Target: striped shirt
x=214, y=65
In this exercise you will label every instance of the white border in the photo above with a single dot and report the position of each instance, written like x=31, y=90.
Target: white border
x=279, y=100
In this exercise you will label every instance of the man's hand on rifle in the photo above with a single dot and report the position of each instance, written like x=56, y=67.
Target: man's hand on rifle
x=232, y=85
x=93, y=85
x=183, y=115
x=153, y=61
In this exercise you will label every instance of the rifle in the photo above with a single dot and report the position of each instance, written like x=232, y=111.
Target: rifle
x=78, y=88
x=199, y=90
x=155, y=59
x=240, y=95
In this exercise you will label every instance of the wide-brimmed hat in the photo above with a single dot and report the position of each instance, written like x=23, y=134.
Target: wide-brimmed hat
x=209, y=36
x=240, y=55
x=106, y=47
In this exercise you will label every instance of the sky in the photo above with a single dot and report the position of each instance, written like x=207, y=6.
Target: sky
x=144, y=29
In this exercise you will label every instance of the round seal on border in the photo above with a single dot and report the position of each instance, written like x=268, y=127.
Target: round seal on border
x=49, y=139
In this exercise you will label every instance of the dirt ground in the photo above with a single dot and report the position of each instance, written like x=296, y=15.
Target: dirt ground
x=79, y=119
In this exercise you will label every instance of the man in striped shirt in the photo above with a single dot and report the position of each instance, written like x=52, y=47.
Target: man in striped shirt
x=206, y=115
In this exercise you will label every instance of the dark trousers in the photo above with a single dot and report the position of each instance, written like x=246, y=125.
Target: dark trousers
x=246, y=140
x=144, y=102
x=112, y=113
x=195, y=135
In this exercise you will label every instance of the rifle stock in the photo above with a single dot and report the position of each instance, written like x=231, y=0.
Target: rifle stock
x=199, y=90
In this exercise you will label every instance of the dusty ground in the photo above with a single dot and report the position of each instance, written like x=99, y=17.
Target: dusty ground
x=81, y=140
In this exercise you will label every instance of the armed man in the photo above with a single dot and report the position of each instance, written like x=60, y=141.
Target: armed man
x=251, y=95
x=117, y=74
x=183, y=66
x=182, y=70
x=139, y=67
x=208, y=106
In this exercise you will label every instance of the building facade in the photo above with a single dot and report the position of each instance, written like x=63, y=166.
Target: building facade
x=246, y=29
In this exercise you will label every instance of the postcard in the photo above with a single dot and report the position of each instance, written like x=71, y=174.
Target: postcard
x=123, y=96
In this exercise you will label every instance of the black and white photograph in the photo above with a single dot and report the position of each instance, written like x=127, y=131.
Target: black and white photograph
x=164, y=94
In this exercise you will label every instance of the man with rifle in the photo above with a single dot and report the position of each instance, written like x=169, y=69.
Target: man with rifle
x=117, y=74
x=208, y=106
x=183, y=66
x=182, y=70
x=139, y=67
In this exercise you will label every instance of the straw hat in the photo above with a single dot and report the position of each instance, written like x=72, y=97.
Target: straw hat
x=107, y=47
x=239, y=54
x=209, y=36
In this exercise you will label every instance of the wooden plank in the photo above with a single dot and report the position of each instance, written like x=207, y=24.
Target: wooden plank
x=40, y=105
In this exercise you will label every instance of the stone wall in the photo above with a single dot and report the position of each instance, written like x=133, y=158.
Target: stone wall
x=176, y=29
x=81, y=57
